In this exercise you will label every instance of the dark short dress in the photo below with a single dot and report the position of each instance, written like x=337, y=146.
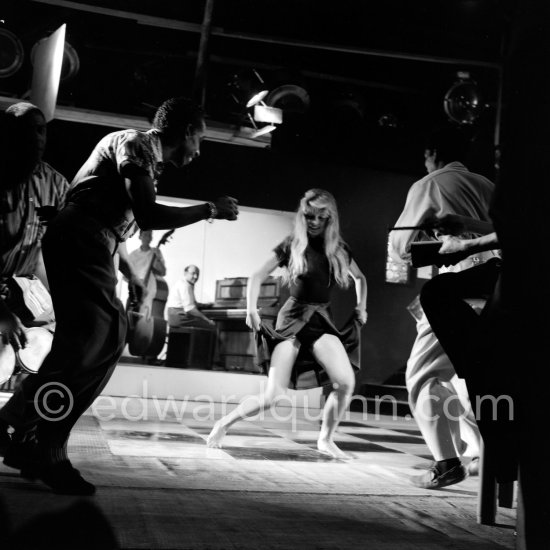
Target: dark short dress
x=306, y=316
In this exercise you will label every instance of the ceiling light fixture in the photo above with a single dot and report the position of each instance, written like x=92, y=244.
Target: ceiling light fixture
x=463, y=101
x=256, y=98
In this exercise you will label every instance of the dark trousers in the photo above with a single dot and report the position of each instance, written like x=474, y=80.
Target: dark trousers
x=476, y=345
x=90, y=329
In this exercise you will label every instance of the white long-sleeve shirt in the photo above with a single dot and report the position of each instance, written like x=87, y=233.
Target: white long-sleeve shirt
x=450, y=190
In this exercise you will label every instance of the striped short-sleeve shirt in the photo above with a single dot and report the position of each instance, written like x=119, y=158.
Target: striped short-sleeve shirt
x=20, y=229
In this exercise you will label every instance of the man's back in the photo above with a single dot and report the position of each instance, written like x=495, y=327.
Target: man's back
x=448, y=190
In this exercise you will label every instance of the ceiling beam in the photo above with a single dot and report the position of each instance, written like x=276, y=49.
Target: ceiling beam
x=215, y=131
x=166, y=23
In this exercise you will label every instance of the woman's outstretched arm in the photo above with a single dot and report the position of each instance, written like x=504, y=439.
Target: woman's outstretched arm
x=360, y=289
x=253, y=291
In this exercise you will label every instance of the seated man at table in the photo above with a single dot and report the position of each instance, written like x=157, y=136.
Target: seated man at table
x=183, y=308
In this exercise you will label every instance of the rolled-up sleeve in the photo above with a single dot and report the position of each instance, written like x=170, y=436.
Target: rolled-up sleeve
x=132, y=149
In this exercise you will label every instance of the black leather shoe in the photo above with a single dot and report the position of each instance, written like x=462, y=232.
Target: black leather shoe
x=434, y=479
x=66, y=480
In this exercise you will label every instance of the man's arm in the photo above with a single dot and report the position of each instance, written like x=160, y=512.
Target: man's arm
x=151, y=215
x=189, y=303
x=468, y=247
x=126, y=267
x=454, y=224
x=197, y=313
x=420, y=206
x=159, y=265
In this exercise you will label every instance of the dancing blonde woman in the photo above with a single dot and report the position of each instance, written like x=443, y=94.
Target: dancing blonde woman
x=315, y=259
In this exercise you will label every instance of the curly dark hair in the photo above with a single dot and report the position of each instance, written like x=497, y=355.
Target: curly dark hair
x=175, y=115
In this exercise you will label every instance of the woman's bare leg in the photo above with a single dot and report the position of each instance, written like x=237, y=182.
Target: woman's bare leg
x=331, y=355
x=282, y=361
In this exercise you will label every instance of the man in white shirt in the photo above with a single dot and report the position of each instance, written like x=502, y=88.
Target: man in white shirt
x=142, y=257
x=184, y=308
x=438, y=398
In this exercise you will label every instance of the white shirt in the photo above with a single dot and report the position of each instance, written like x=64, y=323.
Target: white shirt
x=141, y=259
x=183, y=295
x=449, y=190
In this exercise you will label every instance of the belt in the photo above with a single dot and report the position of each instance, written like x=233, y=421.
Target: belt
x=470, y=261
x=92, y=212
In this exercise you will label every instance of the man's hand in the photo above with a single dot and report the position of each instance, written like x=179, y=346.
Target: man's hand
x=227, y=208
x=138, y=291
x=253, y=320
x=11, y=330
x=451, y=245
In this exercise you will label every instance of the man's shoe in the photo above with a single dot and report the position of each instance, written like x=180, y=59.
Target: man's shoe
x=434, y=479
x=66, y=480
x=473, y=467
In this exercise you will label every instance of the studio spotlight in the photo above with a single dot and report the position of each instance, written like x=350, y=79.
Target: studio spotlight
x=264, y=113
x=256, y=98
x=289, y=98
x=248, y=88
x=264, y=130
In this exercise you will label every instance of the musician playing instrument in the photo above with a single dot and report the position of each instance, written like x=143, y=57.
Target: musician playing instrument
x=141, y=257
x=184, y=308
x=112, y=193
x=28, y=185
x=147, y=326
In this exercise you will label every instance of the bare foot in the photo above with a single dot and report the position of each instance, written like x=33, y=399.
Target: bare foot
x=214, y=440
x=329, y=448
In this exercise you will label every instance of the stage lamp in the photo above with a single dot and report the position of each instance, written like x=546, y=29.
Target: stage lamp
x=11, y=53
x=264, y=113
x=264, y=130
x=71, y=62
x=463, y=101
x=270, y=116
x=290, y=98
x=247, y=88
x=256, y=98
x=259, y=130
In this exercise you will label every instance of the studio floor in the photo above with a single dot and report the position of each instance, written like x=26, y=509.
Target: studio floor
x=159, y=486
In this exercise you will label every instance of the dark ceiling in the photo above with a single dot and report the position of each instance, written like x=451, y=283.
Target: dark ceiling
x=376, y=72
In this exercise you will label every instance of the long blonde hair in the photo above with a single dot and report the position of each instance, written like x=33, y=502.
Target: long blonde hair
x=317, y=201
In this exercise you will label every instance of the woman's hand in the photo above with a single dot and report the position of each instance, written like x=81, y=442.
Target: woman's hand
x=253, y=320
x=361, y=315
